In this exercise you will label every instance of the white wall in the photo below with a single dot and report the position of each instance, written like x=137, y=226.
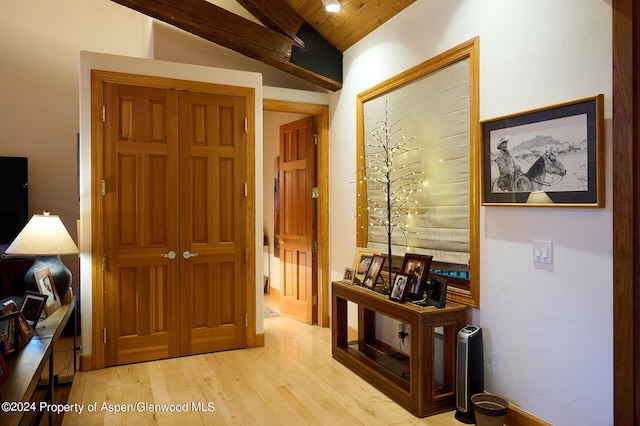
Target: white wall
x=547, y=331
x=39, y=47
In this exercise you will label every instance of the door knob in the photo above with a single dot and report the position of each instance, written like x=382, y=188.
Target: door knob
x=187, y=254
x=171, y=255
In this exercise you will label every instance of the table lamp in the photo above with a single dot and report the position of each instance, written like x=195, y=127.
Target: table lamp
x=46, y=238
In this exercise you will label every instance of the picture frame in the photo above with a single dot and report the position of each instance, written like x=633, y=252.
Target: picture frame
x=371, y=277
x=437, y=292
x=9, y=334
x=46, y=286
x=399, y=288
x=348, y=276
x=26, y=332
x=362, y=261
x=8, y=307
x=4, y=369
x=33, y=304
x=546, y=157
x=417, y=266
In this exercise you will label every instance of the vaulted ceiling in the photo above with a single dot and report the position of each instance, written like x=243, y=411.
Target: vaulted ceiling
x=296, y=36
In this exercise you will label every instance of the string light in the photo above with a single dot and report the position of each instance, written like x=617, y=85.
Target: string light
x=397, y=185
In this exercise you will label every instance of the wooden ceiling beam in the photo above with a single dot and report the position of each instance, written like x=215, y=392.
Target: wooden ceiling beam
x=227, y=29
x=278, y=15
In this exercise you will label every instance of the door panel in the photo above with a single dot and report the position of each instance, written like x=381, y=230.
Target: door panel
x=297, y=219
x=174, y=182
x=213, y=281
x=141, y=216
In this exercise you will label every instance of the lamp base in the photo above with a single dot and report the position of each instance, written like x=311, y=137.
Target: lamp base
x=59, y=272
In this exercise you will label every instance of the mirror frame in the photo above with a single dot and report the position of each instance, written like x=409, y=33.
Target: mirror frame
x=468, y=50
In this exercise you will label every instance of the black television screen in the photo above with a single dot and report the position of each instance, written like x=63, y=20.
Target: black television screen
x=14, y=197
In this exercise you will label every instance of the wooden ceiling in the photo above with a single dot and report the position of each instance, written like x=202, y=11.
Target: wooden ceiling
x=296, y=36
x=356, y=19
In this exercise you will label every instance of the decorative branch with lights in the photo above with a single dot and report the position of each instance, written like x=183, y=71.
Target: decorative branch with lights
x=390, y=172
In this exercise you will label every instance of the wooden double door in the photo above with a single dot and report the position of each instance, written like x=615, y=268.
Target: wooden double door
x=174, y=226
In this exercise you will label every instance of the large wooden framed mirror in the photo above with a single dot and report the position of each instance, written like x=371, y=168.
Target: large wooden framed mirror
x=435, y=106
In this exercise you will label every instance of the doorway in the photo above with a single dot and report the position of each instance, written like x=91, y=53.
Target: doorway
x=321, y=116
x=173, y=222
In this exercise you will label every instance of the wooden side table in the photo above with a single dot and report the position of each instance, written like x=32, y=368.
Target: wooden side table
x=409, y=380
x=26, y=368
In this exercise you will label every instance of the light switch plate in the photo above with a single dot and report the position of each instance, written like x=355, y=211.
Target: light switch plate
x=542, y=251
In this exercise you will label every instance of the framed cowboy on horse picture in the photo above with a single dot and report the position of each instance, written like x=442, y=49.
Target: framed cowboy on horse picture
x=546, y=157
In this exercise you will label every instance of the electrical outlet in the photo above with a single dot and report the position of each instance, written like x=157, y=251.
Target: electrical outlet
x=542, y=251
x=402, y=331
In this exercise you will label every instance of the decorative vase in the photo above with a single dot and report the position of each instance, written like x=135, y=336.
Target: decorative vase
x=59, y=272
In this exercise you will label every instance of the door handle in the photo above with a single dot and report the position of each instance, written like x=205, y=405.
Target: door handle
x=187, y=254
x=171, y=255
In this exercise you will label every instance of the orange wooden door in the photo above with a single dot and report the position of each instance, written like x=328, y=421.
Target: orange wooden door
x=297, y=220
x=175, y=278
x=212, y=222
x=141, y=224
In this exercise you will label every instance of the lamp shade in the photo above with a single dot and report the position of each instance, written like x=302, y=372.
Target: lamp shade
x=46, y=238
x=44, y=235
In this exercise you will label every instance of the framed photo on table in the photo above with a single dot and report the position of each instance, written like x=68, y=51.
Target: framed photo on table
x=33, y=304
x=362, y=261
x=417, y=267
x=371, y=277
x=399, y=288
x=4, y=370
x=45, y=284
x=348, y=275
x=9, y=334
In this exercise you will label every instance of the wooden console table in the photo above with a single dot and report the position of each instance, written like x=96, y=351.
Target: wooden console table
x=410, y=381
x=26, y=368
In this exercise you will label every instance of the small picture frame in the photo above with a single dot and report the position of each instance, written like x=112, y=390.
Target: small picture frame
x=417, y=266
x=26, y=332
x=45, y=284
x=437, y=292
x=33, y=304
x=9, y=334
x=362, y=261
x=349, y=273
x=371, y=277
x=4, y=370
x=399, y=288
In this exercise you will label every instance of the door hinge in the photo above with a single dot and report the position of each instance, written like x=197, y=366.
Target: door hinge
x=314, y=192
x=315, y=139
x=104, y=187
x=104, y=335
x=104, y=262
x=315, y=247
x=104, y=113
x=314, y=300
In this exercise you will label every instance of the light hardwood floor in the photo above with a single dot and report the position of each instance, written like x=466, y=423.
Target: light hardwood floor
x=292, y=380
